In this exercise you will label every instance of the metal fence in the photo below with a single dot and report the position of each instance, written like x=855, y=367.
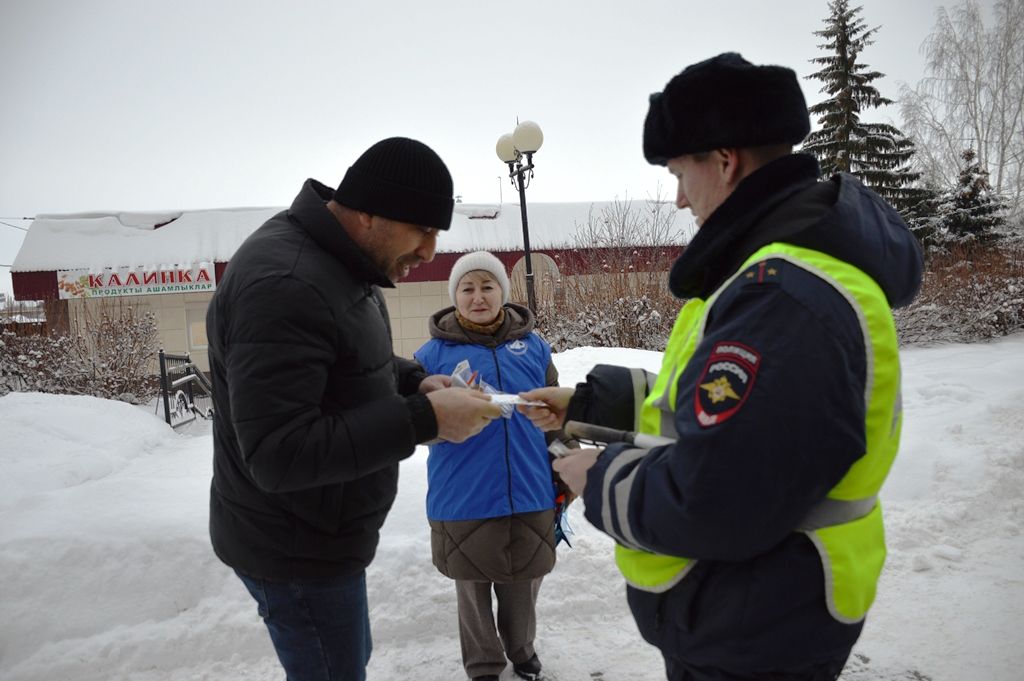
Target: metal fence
x=185, y=392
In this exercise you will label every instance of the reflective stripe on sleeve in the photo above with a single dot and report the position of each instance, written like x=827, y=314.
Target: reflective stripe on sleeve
x=830, y=512
x=639, y=377
x=622, y=491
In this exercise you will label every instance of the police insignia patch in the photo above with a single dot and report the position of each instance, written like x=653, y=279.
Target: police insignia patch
x=725, y=383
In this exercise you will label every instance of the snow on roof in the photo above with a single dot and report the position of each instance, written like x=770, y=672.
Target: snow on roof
x=477, y=227
x=135, y=239
x=99, y=240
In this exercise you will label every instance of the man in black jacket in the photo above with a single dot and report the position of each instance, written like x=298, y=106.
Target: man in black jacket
x=314, y=411
x=752, y=544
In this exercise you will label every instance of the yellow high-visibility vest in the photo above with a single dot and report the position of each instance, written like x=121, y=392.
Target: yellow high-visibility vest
x=846, y=527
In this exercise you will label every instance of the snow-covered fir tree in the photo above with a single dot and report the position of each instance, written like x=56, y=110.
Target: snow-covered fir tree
x=970, y=211
x=878, y=153
x=923, y=218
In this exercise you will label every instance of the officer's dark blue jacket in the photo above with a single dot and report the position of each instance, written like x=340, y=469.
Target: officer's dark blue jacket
x=731, y=496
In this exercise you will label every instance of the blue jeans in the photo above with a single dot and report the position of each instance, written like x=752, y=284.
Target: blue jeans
x=320, y=627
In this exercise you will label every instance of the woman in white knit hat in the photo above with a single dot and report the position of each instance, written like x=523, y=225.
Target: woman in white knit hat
x=491, y=499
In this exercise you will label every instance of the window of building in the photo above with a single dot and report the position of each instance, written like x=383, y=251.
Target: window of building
x=195, y=323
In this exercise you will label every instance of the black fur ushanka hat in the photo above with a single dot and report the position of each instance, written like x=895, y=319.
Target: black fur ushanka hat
x=725, y=102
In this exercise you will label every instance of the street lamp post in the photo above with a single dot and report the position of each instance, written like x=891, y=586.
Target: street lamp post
x=511, y=148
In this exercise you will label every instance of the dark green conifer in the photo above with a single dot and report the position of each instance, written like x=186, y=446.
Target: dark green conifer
x=878, y=153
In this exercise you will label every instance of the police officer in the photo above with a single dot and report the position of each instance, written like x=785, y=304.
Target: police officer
x=752, y=546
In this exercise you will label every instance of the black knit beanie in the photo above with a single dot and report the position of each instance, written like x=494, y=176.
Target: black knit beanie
x=725, y=102
x=400, y=179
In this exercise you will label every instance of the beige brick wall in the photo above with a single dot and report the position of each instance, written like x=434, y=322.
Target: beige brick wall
x=409, y=306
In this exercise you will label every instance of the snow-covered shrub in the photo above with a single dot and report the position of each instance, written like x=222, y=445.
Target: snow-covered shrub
x=618, y=295
x=30, y=362
x=968, y=294
x=622, y=323
x=119, y=343
x=108, y=354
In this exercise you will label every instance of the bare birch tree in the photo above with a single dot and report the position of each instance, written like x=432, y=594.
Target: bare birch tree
x=972, y=97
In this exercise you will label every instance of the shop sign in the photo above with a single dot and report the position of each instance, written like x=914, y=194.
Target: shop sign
x=135, y=281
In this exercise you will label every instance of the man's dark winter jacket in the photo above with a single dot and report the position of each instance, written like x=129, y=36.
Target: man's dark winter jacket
x=732, y=495
x=310, y=421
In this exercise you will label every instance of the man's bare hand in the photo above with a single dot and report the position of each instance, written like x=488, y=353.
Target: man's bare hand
x=572, y=468
x=461, y=413
x=551, y=416
x=435, y=382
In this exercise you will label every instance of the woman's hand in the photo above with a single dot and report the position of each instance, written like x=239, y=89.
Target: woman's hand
x=552, y=415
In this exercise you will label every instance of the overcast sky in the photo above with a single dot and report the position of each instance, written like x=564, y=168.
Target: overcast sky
x=144, y=105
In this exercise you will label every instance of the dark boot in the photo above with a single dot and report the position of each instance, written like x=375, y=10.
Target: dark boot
x=529, y=670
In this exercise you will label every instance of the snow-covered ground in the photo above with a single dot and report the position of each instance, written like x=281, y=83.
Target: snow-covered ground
x=108, y=573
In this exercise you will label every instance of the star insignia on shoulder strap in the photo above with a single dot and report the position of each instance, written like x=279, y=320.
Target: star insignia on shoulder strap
x=764, y=272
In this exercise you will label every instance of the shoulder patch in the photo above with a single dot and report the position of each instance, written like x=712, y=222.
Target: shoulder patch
x=726, y=382
x=764, y=272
